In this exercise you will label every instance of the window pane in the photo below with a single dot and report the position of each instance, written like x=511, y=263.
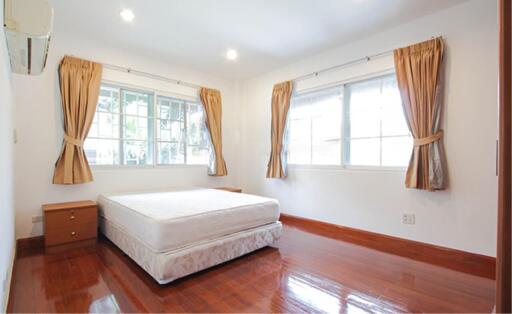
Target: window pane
x=177, y=131
x=164, y=130
x=197, y=134
x=314, y=127
x=170, y=153
x=177, y=111
x=197, y=155
x=170, y=109
x=129, y=103
x=327, y=153
x=102, y=152
x=136, y=103
x=393, y=119
x=136, y=153
x=164, y=111
x=142, y=108
x=135, y=128
x=300, y=108
x=178, y=134
x=363, y=152
x=93, y=131
x=108, y=125
x=105, y=125
x=108, y=100
x=326, y=135
x=396, y=151
x=299, y=145
x=364, y=109
x=106, y=119
x=164, y=124
x=375, y=113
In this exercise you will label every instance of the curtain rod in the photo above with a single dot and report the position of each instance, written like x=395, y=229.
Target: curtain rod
x=343, y=65
x=149, y=75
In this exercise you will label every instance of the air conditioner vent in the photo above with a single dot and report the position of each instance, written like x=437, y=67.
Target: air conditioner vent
x=28, y=26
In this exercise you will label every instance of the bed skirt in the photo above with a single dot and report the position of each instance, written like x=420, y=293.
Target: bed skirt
x=168, y=266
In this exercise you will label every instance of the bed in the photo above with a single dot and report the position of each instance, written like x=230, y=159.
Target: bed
x=172, y=234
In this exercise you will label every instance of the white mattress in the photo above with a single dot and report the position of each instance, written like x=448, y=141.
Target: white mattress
x=166, y=221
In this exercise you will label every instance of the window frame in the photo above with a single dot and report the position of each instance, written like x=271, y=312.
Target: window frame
x=343, y=166
x=310, y=122
x=185, y=103
x=154, y=93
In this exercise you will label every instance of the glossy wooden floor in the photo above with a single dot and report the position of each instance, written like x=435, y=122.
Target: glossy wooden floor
x=305, y=273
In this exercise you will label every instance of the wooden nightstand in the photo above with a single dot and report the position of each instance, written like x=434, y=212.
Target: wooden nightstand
x=70, y=225
x=230, y=189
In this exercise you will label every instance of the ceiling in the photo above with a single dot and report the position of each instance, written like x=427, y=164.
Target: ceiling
x=266, y=33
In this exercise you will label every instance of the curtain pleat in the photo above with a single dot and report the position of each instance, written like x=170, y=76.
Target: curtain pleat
x=418, y=69
x=212, y=102
x=79, y=88
x=281, y=95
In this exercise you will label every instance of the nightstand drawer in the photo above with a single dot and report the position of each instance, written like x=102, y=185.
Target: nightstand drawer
x=70, y=217
x=68, y=234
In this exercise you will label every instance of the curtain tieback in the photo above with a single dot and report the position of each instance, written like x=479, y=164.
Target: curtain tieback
x=429, y=139
x=73, y=141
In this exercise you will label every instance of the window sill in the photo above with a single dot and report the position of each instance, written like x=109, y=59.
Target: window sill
x=377, y=169
x=147, y=167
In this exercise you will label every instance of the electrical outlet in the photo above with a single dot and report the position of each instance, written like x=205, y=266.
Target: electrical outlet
x=408, y=219
x=36, y=219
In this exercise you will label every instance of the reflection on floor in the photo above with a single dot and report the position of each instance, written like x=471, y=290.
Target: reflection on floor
x=305, y=273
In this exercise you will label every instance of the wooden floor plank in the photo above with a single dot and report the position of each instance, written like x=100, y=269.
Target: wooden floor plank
x=306, y=272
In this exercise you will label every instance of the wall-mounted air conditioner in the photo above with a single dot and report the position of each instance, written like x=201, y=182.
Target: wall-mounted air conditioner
x=28, y=25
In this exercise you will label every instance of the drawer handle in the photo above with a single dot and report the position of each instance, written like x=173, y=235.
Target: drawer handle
x=73, y=233
x=71, y=217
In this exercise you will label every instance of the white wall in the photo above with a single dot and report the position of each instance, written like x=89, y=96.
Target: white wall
x=38, y=121
x=463, y=216
x=6, y=172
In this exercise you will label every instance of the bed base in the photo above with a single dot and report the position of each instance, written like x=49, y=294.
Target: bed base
x=166, y=267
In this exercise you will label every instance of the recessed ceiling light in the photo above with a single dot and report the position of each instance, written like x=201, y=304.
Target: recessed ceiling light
x=231, y=54
x=127, y=15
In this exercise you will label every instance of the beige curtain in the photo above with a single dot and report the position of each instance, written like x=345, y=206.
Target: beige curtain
x=418, y=69
x=277, y=167
x=79, y=88
x=212, y=103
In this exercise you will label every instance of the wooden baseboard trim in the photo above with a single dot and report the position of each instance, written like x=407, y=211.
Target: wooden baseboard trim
x=471, y=263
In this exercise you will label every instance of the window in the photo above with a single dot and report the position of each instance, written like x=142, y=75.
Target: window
x=181, y=132
x=137, y=128
x=367, y=115
x=314, y=135
x=375, y=130
x=129, y=128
